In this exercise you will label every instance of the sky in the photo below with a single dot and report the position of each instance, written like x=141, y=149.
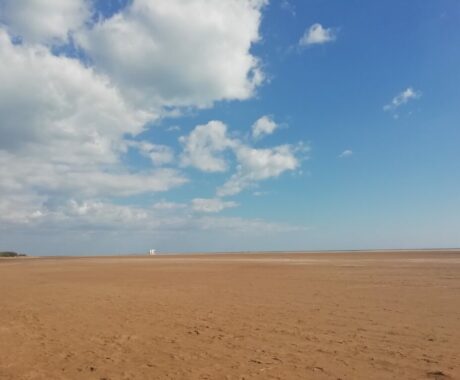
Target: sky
x=228, y=125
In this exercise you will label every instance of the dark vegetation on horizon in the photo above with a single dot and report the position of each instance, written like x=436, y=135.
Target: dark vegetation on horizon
x=11, y=254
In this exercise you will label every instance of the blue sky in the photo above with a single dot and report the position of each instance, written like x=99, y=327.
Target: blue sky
x=232, y=125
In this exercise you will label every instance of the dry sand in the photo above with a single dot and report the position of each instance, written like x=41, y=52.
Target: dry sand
x=303, y=316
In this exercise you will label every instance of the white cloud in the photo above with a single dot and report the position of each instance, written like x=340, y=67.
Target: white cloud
x=90, y=215
x=75, y=234
x=259, y=193
x=211, y=204
x=246, y=226
x=402, y=98
x=63, y=130
x=203, y=147
x=346, y=153
x=44, y=21
x=102, y=214
x=260, y=164
x=316, y=35
x=66, y=126
x=71, y=213
x=179, y=53
x=266, y=163
x=57, y=108
x=263, y=126
x=32, y=174
x=173, y=128
x=158, y=154
x=288, y=7
x=164, y=205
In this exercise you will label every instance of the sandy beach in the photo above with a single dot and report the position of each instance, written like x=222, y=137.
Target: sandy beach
x=380, y=315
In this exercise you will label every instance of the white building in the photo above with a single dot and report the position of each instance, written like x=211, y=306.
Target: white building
x=152, y=252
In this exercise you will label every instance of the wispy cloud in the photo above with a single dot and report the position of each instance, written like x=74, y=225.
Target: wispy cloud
x=165, y=205
x=211, y=205
x=259, y=193
x=288, y=7
x=402, y=98
x=173, y=128
x=317, y=35
x=346, y=153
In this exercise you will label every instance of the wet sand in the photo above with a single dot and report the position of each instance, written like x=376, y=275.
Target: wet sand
x=334, y=316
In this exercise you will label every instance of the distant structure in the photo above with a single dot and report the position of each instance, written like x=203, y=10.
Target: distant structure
x=152, y=252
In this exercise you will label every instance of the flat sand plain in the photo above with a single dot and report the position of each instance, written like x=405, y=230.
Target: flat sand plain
x=267, y=316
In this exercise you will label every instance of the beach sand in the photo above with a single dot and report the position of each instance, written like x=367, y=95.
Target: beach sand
x=267, y=316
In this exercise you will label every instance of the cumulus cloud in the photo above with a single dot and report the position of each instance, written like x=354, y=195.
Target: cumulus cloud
x=203, y=147
x=57, y=106
x=346, y=153
x=260, y=164
x=402, y=98
x=263, y=126
x=32, y=174
x=177, y=53
x=63, y=130
x=44, y=21
x=317, y=35
x=66, y=125
x=158, y=154
x=165, y=205
x=42, y=188
x=69, y=212
x=101, y=213
x=87, y=216
x=211, y=205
